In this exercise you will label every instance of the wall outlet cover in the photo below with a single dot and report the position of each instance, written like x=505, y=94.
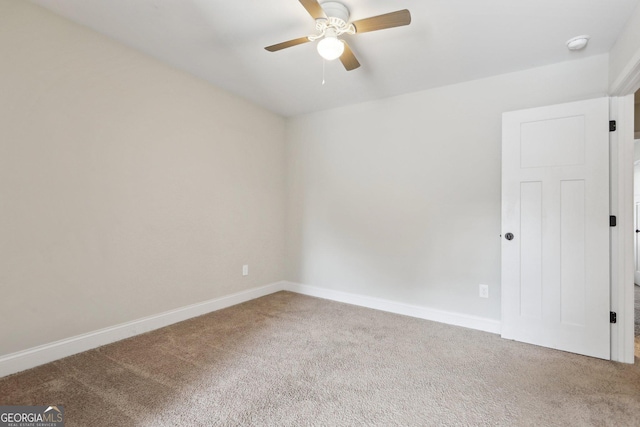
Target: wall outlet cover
x=484, y=291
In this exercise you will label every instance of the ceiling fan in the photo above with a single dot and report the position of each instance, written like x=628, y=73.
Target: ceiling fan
x=332, y=21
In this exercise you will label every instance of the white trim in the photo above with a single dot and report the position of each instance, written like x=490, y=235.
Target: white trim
x=622, y=262
x=46, y=353
x=450, y=318
x=622, y=251
x=36, y=356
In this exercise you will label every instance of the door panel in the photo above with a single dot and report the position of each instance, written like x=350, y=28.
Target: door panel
x=572, y=252
x=531, y=249
x=554, y=142
x=555, y=200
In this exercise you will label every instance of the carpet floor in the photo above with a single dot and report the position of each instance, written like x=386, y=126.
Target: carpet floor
x=288, y=359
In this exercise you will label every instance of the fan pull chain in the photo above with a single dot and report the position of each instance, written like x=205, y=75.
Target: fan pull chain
x=323, y=61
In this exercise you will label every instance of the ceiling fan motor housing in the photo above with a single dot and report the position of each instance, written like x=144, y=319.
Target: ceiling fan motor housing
x=337, y=14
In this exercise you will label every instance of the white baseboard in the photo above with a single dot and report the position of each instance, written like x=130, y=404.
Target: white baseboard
x=30, y=358
x=450, y=318
x=46, y=353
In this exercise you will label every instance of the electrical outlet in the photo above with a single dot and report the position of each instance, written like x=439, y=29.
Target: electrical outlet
x=245, y=270
x=484, y=291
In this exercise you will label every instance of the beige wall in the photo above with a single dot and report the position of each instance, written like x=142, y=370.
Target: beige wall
x=127, y=188
x=400, y=198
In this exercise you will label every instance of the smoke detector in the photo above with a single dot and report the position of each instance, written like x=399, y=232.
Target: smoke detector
x=578, y=43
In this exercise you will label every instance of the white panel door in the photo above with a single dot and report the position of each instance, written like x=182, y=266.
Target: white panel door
x=555, y=207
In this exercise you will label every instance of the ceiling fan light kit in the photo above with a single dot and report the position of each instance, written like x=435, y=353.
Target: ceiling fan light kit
x=330, y=47
x=332, y=21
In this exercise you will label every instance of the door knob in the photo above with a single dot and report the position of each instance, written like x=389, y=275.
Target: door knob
x=637, y=231
x=508, y=236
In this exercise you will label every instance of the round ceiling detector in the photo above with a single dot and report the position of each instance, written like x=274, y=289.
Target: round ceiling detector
x=578, y=43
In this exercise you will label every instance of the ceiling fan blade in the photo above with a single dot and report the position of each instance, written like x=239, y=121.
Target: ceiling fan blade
x=287, y=44
x=348, y=59
x=314, y=9
x=381, y=22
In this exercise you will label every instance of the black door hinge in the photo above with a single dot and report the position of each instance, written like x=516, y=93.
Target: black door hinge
x=613, y=318
x=612, y=125
x=612, y=220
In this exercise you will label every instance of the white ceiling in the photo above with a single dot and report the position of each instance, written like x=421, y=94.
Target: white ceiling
x=448, y=41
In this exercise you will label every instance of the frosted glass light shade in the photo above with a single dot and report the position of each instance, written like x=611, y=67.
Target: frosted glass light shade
x=330, y=48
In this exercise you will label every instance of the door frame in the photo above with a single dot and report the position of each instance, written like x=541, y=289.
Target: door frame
x=621, y=181
x=636, y=223
x=622, y=261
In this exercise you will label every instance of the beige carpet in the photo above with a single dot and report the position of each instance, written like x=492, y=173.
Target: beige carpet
x=287, y=359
